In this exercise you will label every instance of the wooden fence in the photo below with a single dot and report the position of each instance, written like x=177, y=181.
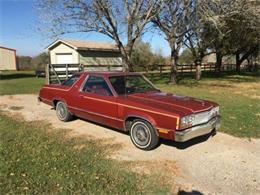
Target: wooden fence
x=57, y=73
x=188, y=68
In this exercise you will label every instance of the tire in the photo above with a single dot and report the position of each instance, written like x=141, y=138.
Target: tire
x=62, y=112
x=143, y=135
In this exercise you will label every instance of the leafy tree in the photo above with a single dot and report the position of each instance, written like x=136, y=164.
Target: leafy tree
x=143, y=57
x=231, y=27
x=158, y=59
x=24, y=63
x=186, y=57
x=40, y=61
x=243, y=39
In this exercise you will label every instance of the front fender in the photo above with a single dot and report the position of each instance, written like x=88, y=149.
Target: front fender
x=143, y=116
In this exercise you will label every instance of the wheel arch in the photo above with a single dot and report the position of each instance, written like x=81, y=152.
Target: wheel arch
x=130, y=118
x=56, y=100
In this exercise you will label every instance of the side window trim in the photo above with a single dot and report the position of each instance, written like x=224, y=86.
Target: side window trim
x=83, y=84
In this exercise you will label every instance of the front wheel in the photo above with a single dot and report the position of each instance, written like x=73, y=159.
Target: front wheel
x=62, y=111
x=143, y=135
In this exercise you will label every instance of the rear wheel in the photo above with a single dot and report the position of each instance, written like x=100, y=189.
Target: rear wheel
x=143, y=135
x=62, y=112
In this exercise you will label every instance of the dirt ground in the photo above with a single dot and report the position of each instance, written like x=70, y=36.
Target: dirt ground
x=221, y=164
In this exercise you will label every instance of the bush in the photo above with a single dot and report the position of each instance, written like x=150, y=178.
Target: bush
x=33, y=63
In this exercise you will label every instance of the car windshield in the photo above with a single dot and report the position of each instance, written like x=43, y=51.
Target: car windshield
x=131, y=84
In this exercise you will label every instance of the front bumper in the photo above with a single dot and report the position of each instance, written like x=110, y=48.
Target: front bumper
x=203, y=129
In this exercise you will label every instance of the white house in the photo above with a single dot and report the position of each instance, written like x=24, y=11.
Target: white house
x=83, y=52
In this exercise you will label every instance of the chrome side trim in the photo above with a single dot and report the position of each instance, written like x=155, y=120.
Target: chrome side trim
x=94, y=113
x=203, y=129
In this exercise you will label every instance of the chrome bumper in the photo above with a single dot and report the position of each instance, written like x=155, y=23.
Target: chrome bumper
x=187, y=134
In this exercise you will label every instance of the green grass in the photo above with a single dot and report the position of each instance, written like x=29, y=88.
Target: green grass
x=19, y=82
x=36, y=159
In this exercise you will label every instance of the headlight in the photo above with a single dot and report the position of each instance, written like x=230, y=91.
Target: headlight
x=187, y=121
x=215, y=111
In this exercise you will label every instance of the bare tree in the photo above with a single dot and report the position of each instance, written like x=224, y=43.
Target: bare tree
x=196, y=39
x=122, y=21
x=172, y=21
x=198, y=49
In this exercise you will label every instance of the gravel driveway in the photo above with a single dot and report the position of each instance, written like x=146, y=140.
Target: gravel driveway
x=221, y=164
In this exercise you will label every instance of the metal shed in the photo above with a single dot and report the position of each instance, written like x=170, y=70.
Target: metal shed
x=7, y=59
x=88, y=53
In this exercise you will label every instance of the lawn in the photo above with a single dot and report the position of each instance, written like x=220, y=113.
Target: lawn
x=36, y=159
x=19, y=82
x=237, y=94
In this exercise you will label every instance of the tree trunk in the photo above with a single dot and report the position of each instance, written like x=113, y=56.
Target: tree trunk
x=174, y=63
x=125, y=53
x=198, y=71
x=127, y=66
x=218, y=62
x=238, y=63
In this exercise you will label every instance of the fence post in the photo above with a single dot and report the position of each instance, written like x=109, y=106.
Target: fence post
x=47, y=73
x=108, y=67
x=55, y=73
x=67, y=73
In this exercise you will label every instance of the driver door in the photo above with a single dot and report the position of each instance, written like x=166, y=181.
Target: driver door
x=98, y=102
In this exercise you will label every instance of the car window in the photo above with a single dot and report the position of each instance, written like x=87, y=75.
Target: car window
x=70, y=81
x=131, y=84
x=97, y=85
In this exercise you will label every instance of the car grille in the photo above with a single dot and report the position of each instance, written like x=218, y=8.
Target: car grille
x=203, y=117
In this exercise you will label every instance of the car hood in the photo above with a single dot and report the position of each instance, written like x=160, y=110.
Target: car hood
x=173, y=103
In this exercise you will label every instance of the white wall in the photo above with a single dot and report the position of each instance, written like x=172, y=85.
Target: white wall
x=7, y=59
x=63, y=49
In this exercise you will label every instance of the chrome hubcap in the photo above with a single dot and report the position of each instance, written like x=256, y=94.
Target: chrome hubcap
x=141, y=134
x=61, y=110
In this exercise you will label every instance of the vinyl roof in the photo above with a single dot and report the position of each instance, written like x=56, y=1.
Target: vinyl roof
x=110, y=73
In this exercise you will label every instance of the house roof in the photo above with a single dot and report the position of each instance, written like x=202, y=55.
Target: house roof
x=85, y=45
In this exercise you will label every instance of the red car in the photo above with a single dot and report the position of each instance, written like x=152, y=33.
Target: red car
x=131, y=103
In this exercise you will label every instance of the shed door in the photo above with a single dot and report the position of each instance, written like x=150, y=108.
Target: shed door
x=64, y=58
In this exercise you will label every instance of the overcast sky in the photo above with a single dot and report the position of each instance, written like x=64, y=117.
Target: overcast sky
x=18, y=20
